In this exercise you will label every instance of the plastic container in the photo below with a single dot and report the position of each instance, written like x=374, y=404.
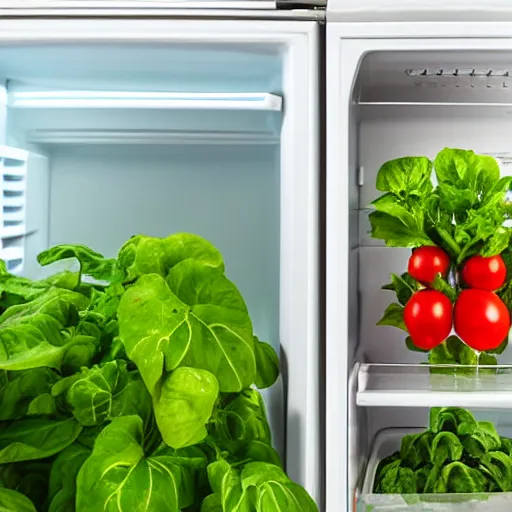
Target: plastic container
x=387, y=442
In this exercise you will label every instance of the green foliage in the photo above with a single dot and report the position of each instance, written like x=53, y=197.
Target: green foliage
x=137, y=391
x=456, y=454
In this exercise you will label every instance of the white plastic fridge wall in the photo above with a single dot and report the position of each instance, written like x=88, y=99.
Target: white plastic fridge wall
x=257, y=201
x=376, y=114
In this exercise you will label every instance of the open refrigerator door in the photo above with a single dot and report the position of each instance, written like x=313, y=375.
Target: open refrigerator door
x=418, y=407
x=159, y=217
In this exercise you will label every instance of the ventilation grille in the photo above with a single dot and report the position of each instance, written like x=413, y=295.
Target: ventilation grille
x=469, y=77
x=13, y=167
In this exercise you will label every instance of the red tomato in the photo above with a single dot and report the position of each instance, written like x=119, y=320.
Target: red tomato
x=481, y=319
x=484, y=273
x=428, y=318
x=426, y=262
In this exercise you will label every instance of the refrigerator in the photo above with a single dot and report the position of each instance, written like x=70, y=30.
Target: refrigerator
x=402, y=79
x=156, y=117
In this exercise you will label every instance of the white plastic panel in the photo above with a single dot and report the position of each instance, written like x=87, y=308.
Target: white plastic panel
x=414, y=10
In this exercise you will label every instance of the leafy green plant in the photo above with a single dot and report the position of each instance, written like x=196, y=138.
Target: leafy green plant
x=454, y=228
x=136, y=388
x=456, y=454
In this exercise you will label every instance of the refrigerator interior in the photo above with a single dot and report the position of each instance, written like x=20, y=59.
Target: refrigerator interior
x=391, y=98
x=110, y=129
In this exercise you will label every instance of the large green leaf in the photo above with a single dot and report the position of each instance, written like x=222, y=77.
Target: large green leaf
x=242, y=419
x=147, y=255
x=91, y=262
x=395, y=232
x=118, y=477
x=62, y=487
x=198, y=320
x=394, y=317
x=12, y=501
x=459, y=478
x=184, y=404
x=452, y=419
x=259, y=487
x=406, y=176
x=267, y=364
x=30, y=439
x=99, y=394
x=466, y=170
x=32, y=334
x=22, y=389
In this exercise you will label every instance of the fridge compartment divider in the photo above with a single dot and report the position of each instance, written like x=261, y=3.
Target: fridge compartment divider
x=388, y=441
x=413, y=385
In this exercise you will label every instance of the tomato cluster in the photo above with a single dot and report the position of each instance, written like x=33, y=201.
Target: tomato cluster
x=480, y=318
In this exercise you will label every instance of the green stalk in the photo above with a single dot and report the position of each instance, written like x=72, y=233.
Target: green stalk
x=453, y=246
x=462, y=256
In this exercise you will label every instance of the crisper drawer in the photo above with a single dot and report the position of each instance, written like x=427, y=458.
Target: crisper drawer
x=387, y=442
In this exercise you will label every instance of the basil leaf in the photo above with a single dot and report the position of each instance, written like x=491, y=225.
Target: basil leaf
x=394, y=317
x=395, y=233
x=497, y=243
x=442, y=285
x=406, y=176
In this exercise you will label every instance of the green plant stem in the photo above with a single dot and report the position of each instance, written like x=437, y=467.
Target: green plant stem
x=449, y=241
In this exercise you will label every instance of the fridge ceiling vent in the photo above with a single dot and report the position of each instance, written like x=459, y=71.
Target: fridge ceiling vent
x=463, y=72
x=13, y=165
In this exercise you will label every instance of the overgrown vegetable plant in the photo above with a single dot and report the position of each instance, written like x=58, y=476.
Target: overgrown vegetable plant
x=137, y=392
x=456, y=454
x=459, y=275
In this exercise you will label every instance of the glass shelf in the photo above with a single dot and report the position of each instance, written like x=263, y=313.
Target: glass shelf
x=423, y=385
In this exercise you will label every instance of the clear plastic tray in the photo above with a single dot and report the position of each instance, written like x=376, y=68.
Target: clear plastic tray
x=387, y=442
x=407, y=385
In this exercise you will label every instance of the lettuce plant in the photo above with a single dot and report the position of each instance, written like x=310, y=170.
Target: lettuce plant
x=456, y=454
x=136, y=388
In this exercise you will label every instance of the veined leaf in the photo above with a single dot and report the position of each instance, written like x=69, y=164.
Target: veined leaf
x=62, y=487
x=406, y=176
x=146, y=255
x=184, y=404
x=118, y=475
x=30, y=439
x=258, y=487
x=394, y=317
x=31, y=334
x=12, y=501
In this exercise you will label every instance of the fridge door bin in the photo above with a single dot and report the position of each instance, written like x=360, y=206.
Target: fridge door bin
x=387, y=442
